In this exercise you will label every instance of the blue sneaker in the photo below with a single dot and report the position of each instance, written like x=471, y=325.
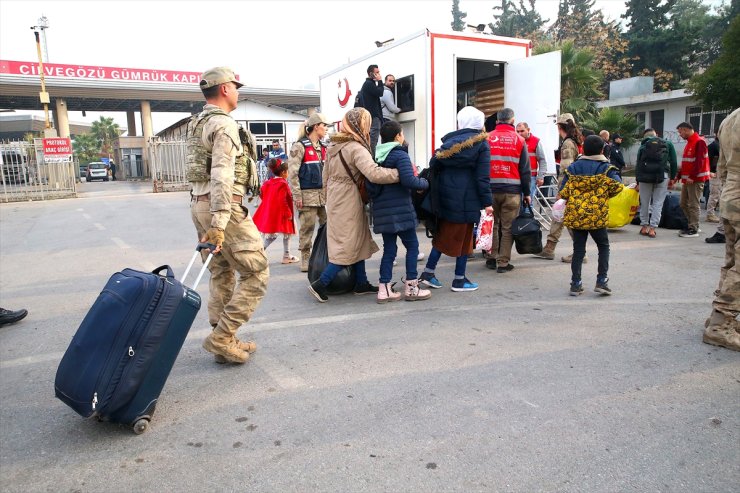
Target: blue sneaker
x=576, y=288
x=464, y=285
x=428, y=279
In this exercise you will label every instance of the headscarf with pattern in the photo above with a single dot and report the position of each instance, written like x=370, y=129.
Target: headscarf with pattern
x=355, y=126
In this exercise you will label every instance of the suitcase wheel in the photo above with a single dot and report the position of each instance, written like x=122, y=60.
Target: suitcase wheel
x=141, y=425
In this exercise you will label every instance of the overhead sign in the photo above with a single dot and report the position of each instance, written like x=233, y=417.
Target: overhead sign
x=92, y=72
x=57, y=147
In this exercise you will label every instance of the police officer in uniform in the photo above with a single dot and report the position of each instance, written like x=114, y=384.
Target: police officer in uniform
x=222, y=171
x=305, y=168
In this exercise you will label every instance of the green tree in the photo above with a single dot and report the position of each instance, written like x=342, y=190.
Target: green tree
x=579, y=80
x=106, y=131
x=86, y=147
x=616, y=120
x=517, y=21
x=458, y=17
x=719, y=85
x=650, y=41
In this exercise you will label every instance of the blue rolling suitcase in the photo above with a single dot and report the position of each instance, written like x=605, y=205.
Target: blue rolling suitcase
x=121, y=355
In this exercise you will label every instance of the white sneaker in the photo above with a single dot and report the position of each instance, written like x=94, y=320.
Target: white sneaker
x=420, y=257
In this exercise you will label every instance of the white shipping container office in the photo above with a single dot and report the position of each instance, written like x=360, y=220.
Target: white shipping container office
x=438, y=73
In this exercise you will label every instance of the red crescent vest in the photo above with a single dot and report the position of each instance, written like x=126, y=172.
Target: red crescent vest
x=532, y=142
x=688, y=162
x=506, y=148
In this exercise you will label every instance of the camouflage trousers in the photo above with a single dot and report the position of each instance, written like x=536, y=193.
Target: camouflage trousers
x=232, y=300
x=690, y=202
x=715, y=189
x=727, y=296
x=307, y=216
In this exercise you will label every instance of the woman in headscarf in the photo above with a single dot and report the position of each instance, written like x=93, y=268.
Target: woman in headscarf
x=348, y=236
x=459, y=189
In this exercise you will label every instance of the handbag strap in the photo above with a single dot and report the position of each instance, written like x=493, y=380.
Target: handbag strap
x=346, y=168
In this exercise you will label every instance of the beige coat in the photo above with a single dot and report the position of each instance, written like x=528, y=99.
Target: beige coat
x=348, y=234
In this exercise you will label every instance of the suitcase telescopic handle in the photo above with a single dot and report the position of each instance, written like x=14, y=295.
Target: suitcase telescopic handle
x=200, y=246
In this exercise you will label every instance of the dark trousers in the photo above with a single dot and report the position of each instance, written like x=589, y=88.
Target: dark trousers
x=601, y=238
x=390, y=249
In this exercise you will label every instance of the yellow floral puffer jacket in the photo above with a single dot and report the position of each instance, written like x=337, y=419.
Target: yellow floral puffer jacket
x=587, y=197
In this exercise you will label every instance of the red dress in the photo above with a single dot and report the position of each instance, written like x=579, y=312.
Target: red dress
x=275, y=213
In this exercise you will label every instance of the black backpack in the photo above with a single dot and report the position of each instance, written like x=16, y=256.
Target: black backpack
x=651, y=161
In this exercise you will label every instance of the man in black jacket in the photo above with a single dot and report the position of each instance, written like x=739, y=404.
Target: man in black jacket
x=372, y=91
x=615, y=155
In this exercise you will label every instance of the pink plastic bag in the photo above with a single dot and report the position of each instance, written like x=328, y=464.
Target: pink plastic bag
x=485, y=232
x=558, y=211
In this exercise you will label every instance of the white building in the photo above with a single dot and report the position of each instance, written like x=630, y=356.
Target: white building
x=662, y=111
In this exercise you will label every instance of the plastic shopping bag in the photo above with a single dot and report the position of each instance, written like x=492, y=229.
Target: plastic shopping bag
x=558, y=210
x=623, y=207
x=485, y=232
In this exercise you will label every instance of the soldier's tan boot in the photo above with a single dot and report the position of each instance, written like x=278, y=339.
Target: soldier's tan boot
x=722, y=330
x=248, y=346
x=225, y=346
x=414, y=293
x=305, y=256
x=547, y=253
x=712, y=217
x=386, y=293
x=569, y=258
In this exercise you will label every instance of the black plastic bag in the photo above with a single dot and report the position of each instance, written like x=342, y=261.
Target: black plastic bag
x=527, y=232
x=345, y=280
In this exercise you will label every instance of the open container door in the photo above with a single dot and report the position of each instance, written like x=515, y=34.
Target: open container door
x=532, y=90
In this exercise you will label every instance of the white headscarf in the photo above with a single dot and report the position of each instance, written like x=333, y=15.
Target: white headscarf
x=469, y=117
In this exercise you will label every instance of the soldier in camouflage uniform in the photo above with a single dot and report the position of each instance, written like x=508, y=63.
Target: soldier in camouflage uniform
x=305, y=167
x=221, y=169
x=722, y=327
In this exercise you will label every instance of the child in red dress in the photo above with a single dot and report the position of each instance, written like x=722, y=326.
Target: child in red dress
x=275, y=213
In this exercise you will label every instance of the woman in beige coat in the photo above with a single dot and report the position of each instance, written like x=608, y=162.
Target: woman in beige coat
x=348, y=236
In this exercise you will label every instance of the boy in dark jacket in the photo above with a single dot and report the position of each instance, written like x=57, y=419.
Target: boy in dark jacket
x=587, y=186
x=394, y=215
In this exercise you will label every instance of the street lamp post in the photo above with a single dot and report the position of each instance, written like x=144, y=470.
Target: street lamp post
x=43, y=95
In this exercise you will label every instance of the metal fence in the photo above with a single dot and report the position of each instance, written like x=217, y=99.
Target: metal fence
x=26, y=175
x=167, y=161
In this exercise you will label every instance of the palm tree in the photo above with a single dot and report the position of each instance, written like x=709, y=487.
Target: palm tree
x=87, y=147
x=616, y=120
x=579, y=81
x=106, y=131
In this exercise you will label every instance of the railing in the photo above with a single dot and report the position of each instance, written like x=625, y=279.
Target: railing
x=26, y=175
x=167, y=161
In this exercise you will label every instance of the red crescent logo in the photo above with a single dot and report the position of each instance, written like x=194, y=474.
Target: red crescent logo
x=343, y=99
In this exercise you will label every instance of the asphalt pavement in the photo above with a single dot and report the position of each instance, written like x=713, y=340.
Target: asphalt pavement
x=516, y=387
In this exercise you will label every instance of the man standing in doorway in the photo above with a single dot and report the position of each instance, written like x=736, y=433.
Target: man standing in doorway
x=537, y=159
x=221, y=171
x=388, y=101
x=305, y=171
x=694, y=173
x=510, y=179
x=372, y=90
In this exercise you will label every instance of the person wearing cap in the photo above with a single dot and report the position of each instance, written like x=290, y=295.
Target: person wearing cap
x=571, y=141
x=221, y=172
x=615, y=153
x=305, y=177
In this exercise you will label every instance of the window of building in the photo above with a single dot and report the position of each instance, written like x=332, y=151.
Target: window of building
x=405, y=93
x=656, y=121
x=706, y=122
x=640, y=116
x=265, y=128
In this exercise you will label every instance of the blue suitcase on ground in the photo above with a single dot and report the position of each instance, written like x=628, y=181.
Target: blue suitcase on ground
x=121, y=355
